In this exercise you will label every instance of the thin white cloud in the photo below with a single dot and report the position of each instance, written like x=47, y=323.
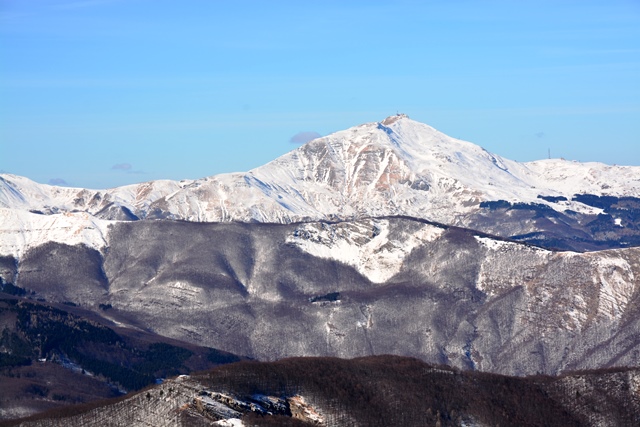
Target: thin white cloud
x=57, y=181
x=127, y=168
x=580, y=52
x=304, y=137
x=122, y=167
x=82, y=3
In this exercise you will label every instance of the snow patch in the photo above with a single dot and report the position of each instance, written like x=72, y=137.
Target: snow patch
x=20, y=230
x=231, y=422
x=616, y=280
x=493, y=244
x=577, y=313
x=365, y=245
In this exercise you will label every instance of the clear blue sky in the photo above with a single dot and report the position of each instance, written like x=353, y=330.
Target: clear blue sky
x=100, y=93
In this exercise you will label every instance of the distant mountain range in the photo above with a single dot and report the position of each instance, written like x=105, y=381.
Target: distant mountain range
x=386, y=238
x=396, y=167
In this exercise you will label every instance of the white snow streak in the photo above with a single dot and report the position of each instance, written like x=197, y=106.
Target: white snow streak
x=365, y=245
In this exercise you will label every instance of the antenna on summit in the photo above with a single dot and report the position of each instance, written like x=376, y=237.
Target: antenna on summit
x=549, y=153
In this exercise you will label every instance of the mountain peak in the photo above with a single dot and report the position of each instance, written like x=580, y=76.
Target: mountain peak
x=398, y=166
x=392, y=119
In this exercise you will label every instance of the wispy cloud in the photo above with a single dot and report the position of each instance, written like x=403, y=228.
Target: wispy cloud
x=126, y=168
x=33, y=9
x=122, y=167
x=540, y=134
x=559, y=51
x=57, y=181
x=108, y=82
x=82, y=3
x=304, y=137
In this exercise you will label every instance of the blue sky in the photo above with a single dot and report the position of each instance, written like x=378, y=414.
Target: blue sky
x=101, y=93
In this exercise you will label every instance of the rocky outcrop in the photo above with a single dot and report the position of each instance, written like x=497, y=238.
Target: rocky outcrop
x=183, y=401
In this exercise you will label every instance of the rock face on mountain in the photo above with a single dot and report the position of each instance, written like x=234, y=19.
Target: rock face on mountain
x=394, y=167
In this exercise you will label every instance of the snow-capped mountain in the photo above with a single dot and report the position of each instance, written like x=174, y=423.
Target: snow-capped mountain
x=386, y=238
x=394, y=167
x=381, y=239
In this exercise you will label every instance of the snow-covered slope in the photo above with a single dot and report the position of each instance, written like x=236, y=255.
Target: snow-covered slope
x=21, y=230
x=21, y=193
x=394, y=167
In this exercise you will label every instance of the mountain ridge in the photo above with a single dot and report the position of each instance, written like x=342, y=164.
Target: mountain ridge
x=401, y=286
x=371, y=391
x=394, y=167
x=386, y=238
